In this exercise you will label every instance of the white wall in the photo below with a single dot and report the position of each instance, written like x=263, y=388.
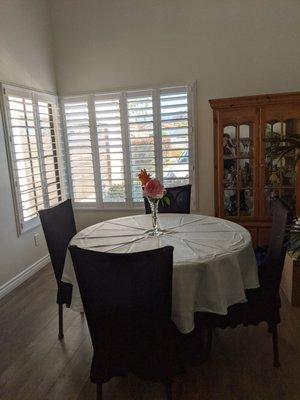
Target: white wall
x=26, y=59
x=231, y=47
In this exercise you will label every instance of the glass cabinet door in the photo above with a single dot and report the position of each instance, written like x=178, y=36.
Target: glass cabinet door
x=248, y=176
x=280, y=173
x=238, y=164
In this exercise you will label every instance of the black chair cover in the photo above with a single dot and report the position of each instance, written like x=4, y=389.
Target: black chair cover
x=59, y=228
x=127, y=300
x=180, y=200
x=263, y=304
x=271, y=268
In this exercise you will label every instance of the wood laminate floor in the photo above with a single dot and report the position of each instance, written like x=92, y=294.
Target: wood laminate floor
x=35, y=365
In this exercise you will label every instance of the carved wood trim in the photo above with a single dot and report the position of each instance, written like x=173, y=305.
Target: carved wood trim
x=257, y=100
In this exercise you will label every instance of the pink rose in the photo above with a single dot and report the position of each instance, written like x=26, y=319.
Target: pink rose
x=154, y=189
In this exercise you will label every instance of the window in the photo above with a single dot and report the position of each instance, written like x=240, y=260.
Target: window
x=111, y=136
x=108, y=138
x=35, y=145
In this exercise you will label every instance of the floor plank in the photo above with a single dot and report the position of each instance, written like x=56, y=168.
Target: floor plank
x=35, y=365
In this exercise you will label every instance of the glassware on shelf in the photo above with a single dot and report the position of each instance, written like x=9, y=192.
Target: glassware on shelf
x=245, y=202
x=245, y=141
x=245, y=172
x=230, y=174
x=238, y=169
x=230, y=203
x=280, y=173
x=229, y=141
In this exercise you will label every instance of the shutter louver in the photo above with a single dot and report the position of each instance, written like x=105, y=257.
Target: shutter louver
x=80, y=151
x=110, y=145
x=141, y=138
x=175, y=137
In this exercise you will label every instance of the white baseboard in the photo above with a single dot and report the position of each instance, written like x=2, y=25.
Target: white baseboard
x=23, y=276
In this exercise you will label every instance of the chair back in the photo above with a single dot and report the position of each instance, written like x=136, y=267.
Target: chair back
x=59, y=228
x=125, y=296
x=274, y=261
x=180, y=201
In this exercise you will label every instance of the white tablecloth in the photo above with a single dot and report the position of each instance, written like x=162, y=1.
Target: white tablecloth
x=214, y=260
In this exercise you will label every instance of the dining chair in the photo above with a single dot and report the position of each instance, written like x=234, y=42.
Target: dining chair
x=127, y=300
x=180, y=200
x=263, y=304
x=59, y=228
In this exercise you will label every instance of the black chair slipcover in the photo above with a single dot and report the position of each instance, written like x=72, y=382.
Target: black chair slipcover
x=262, y=304
x=127, y=300
x=59, y=228
x=180, y=200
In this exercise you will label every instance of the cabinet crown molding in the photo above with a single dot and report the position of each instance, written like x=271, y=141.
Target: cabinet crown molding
x=256, y=100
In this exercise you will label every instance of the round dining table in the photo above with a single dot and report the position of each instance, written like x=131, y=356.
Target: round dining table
x=213, y=263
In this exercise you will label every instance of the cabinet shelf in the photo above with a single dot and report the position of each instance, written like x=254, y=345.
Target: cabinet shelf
x=238, y=157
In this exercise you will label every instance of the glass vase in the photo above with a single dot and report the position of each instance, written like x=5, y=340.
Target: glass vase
x=155, y=231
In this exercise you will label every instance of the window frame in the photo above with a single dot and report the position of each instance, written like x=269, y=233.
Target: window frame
x=36, y=97
x=90, y=97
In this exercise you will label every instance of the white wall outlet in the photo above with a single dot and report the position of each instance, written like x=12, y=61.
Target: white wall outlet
x=36, y=238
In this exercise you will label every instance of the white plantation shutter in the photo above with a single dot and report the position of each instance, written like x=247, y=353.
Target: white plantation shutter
x=52, y=150
x=141, y=138
x=81, y=163
x=28, y=180
x=111, y=149
x=34, y=143
x=107, y=139
x=176, y=136
x=112, y=136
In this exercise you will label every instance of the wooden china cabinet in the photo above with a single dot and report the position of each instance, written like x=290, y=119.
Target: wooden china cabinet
x=247, y=180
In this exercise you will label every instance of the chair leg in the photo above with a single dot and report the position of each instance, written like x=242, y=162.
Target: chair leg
x=269, y=327
x=275, y=346
x=168, y=388
x=60, y=322
x=99, y=391
x=209, y=340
